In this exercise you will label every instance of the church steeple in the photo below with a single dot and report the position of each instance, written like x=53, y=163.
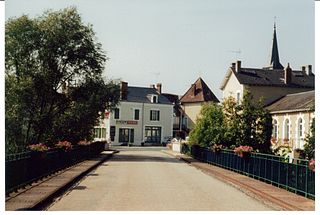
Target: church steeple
x=275, y=61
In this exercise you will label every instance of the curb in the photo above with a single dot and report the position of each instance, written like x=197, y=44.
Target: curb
x=272, y=201
x=48, y=197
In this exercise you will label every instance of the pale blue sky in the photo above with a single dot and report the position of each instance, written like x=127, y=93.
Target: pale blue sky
x=176, y=41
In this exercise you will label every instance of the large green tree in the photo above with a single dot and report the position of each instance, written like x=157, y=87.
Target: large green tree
x=54, y=83
x=255, y=124
x=235, y=124
x=209, y=128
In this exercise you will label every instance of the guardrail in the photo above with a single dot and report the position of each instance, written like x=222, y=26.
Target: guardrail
x=295, y=176
x=24, y=168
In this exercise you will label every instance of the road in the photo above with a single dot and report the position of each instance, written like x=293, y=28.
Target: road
x=148, y=179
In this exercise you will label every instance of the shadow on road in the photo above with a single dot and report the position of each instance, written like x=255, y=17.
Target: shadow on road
x=142, y=158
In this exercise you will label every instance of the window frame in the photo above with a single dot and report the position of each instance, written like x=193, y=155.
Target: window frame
x=116, y=114
x=155, y=117
x=134, y=114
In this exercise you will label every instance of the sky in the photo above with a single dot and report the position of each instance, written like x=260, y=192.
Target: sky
x=174, y=42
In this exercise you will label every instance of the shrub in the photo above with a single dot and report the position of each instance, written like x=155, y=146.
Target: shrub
x=64, y=145
x=242, y=149
x=40, y=147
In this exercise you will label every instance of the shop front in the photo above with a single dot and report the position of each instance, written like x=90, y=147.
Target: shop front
x=153, y=134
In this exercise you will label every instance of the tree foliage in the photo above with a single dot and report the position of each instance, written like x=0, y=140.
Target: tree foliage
x=309, y=147
x=208, y=129
x=231, y=124
x=54, y=84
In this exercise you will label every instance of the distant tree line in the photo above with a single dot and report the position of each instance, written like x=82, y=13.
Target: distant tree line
x=54, y=88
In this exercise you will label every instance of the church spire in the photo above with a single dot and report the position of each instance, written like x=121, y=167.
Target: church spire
x=275, y=61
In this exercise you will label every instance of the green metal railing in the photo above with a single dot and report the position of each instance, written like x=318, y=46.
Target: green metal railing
x=293, y=176
x=24, y=168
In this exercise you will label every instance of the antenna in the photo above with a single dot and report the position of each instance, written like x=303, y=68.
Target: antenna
x=236, y=52
x=156, y=74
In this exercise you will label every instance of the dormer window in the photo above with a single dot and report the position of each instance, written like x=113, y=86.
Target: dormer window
x=154, y=99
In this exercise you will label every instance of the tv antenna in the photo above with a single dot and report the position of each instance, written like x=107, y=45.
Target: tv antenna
x=156, y=74
x=237, y=53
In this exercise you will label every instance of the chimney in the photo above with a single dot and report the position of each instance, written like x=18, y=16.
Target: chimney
x=152, y=86
x=309, y=70
x=287, y=74
x=238, y=66
x=193, y=86
x=303, y=69
x=123, y=90
x=233, y=66
x=159, y=88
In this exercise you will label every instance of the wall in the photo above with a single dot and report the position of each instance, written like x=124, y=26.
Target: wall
x=232, y=87
x=127, y=114
x=192, y=110
x=293, y=124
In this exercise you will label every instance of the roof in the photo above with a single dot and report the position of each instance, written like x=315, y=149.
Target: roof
x=198, y=92
x=143, y=95
x=275, y=59
x=293, y=102
x=267, y=77
x=171, y=97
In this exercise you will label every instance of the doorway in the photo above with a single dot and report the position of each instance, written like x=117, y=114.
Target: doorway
x=126, y=135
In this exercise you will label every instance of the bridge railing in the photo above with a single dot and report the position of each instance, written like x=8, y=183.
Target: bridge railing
x=293, y=175
x=24, y=168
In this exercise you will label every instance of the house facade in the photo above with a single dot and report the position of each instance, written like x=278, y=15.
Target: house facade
x=292, y=117
x=192, y=101
x=270, y=83
x=143, y=116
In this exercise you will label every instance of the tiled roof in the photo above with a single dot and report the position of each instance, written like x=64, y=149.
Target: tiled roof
x=198, y=92
x=292, y=102
x=143, y=94
x=268, y=77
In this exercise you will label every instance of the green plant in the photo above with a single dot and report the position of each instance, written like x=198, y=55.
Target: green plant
x=64, y=145
x=40, y=147
x=216, y=148
x=241, y=150
x=84, y=143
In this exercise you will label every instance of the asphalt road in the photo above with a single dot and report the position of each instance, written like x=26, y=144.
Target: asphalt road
x=147, y=179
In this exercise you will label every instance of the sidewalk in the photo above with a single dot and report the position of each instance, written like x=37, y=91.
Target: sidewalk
x=40, y=193
x=271, y=195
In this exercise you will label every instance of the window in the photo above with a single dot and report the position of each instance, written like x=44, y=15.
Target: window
x=126, y=135
x=300, y=133
x=238, y=98
x=136, y=114
x=112, y=132
x=300, y=127
x=154, y=115
x=153, y=134
x=154, y=99
x=286, y=129
x=100, y=133
x=275, y=129
x=116, y=113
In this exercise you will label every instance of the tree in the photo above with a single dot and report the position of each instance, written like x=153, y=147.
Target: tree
x=231, y=121
x=233, y=125
x=209, y=127
x=54, y=78
x=255, y=124
x=309, y=147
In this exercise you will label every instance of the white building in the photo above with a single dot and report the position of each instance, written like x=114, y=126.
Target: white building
x=292, y=116
x=142, y=116
x=270, y=83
